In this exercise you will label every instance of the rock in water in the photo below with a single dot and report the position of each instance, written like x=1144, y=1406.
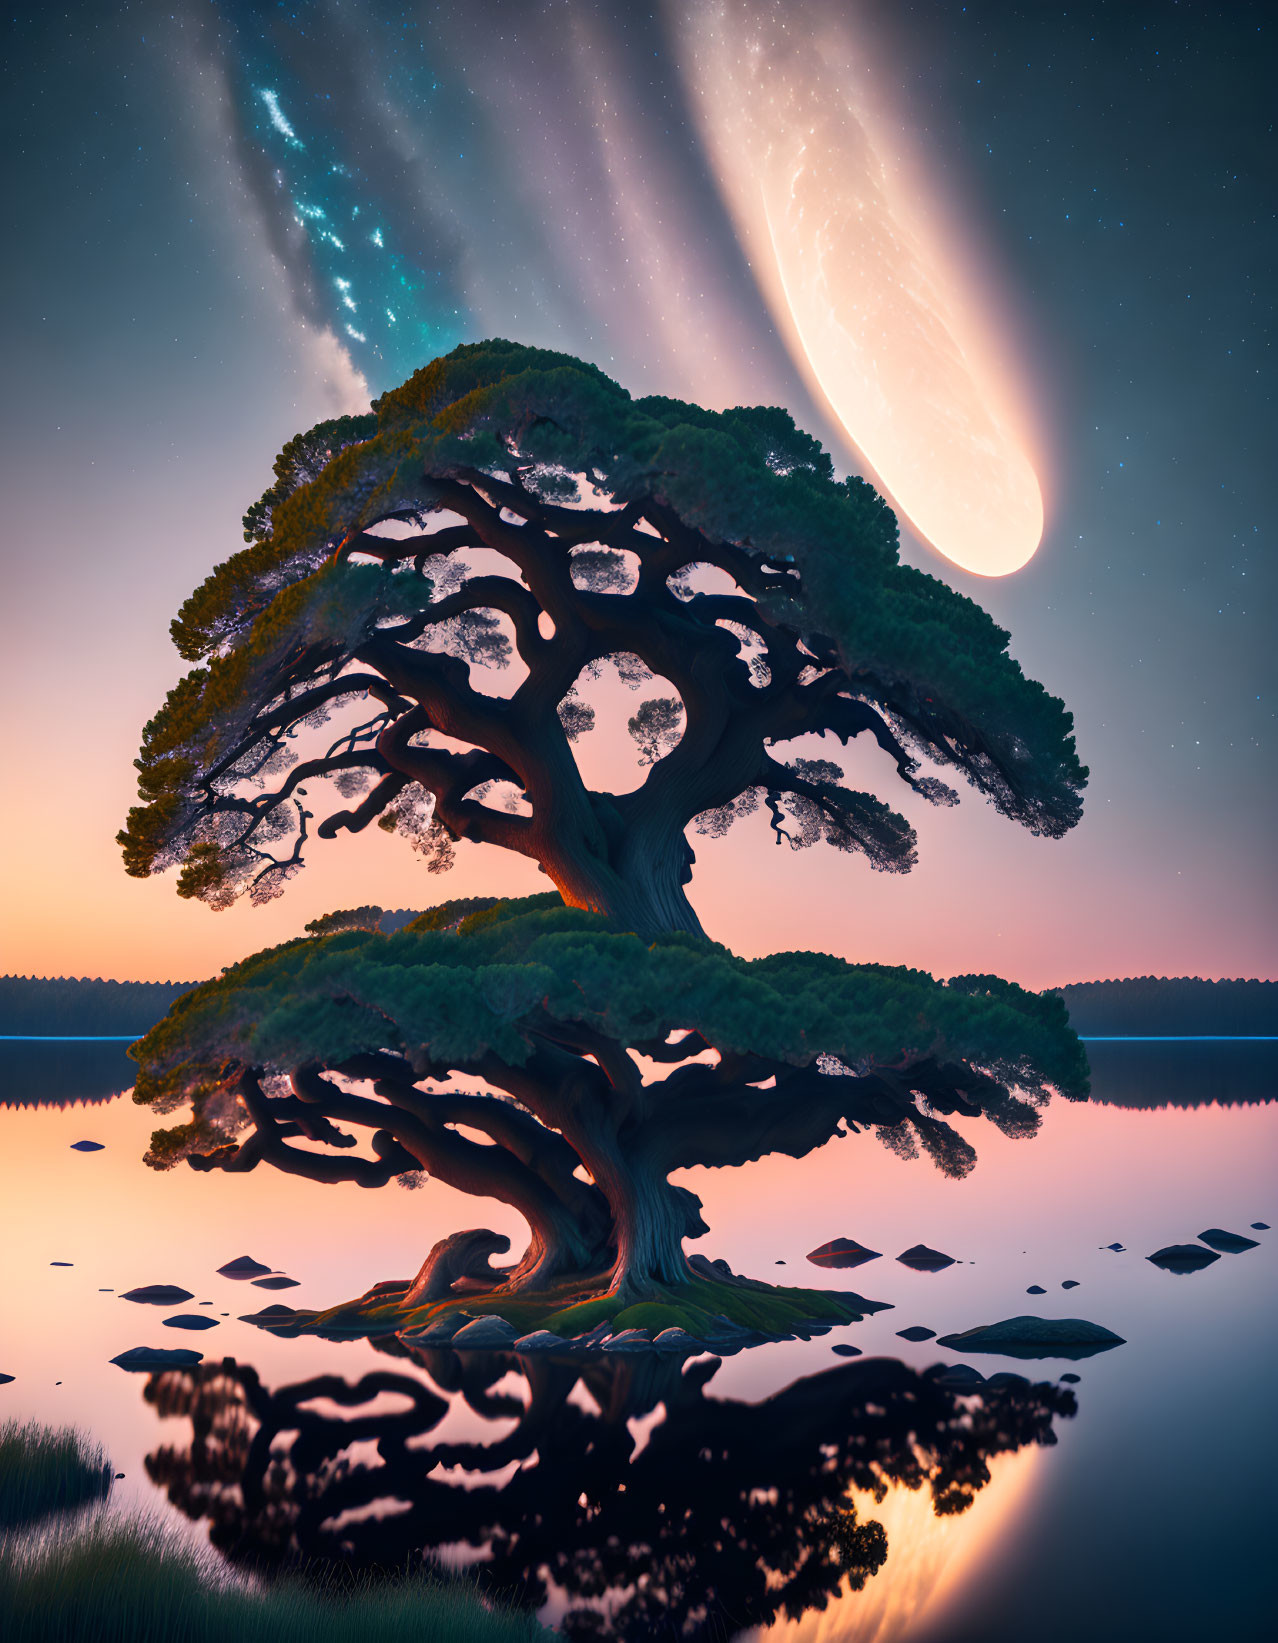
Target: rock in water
x=158, y=1357
x=438, y=1334
x=243, y=1266
x=1115, y=1246
x=1027, y=1337
x=157, y=1295
x=1260, y=1226
x=191, y=1320
x=487, y=1331
x=845, y=1350
x=675, y=1339
x=279, y=1282
x=1036, y=1289
x=917, y=1332
x=628, y=1340
x=5, y=1380
x=1070, y=1283
x=1232, y=1243
x=541, y=1340
x=86, y=1146
x=923, y=1259
x=1072, y=1379
x=843, y=1252
x=1183, y=1257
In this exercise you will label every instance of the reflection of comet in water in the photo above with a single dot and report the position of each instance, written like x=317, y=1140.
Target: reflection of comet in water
x=855, y=275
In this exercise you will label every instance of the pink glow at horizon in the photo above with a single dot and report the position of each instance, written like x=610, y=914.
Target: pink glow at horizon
x=867, y=280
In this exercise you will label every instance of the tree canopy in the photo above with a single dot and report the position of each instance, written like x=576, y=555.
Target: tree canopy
x=709, y=557
x=598, y=1061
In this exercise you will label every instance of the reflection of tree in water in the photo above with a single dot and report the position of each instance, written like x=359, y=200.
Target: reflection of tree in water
x=727, y=1515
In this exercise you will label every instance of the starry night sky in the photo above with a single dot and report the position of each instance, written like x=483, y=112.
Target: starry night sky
x=230, y=220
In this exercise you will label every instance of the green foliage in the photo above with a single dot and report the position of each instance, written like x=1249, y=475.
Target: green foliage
x=349, y=918
x=44, y=1469
x=447, y=990
x=287, y=608
x=302, y=460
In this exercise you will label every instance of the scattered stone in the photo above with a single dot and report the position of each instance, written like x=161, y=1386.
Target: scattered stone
x=1026, y=1337
x=61, y=1263
x=541, y=1340
x=244, y=1266
x=1260, y=1226
x=923, y=1259
x=158, y=1357
x=916, y=1332
x=486, y=1331
x=780, y=1263
x=1116, y=1246
x=438, y=1333
x=628, y=1340
x=1006, y=1378
x=1071, y=1378
x=275, y=1283
x=845, y=1350
x=1183, y=1257
x=270, y=1312
x=5, y=1380
x=190, y=1320
x=1036, y=1289
x=86, y=1146
x=843, y=1252
x=593, y=1337
x=960, y=1374
x=1232, y=1243
x=157, y=1295
x=106, y=1292
x=1070, y=1283
x=206, y=1303
x=675, y=1339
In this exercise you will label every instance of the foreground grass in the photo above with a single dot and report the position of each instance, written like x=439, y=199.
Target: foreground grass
x=44, y=1471
x=130, y=1582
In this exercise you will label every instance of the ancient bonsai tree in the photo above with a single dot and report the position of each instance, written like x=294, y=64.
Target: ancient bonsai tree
x=510, y=508
x=537, y=1054
x=731, y=1514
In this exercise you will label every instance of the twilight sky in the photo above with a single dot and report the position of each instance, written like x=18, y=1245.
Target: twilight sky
x=988, y=253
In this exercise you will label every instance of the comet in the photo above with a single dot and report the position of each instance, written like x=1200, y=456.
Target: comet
x=862, y=277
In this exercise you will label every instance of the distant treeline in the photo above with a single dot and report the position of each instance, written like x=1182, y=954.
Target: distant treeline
x=1179, y=1006
x=61, y=1004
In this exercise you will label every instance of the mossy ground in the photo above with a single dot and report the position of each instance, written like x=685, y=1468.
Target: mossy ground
x=574, y=1307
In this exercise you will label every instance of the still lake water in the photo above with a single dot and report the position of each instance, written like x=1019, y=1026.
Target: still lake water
x=710, y=1501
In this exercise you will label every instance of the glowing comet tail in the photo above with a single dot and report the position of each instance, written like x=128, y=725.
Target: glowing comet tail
x=859, y=280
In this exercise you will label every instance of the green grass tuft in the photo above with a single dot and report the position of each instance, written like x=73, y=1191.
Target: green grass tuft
x=130, y=1582
x=43, y=1470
